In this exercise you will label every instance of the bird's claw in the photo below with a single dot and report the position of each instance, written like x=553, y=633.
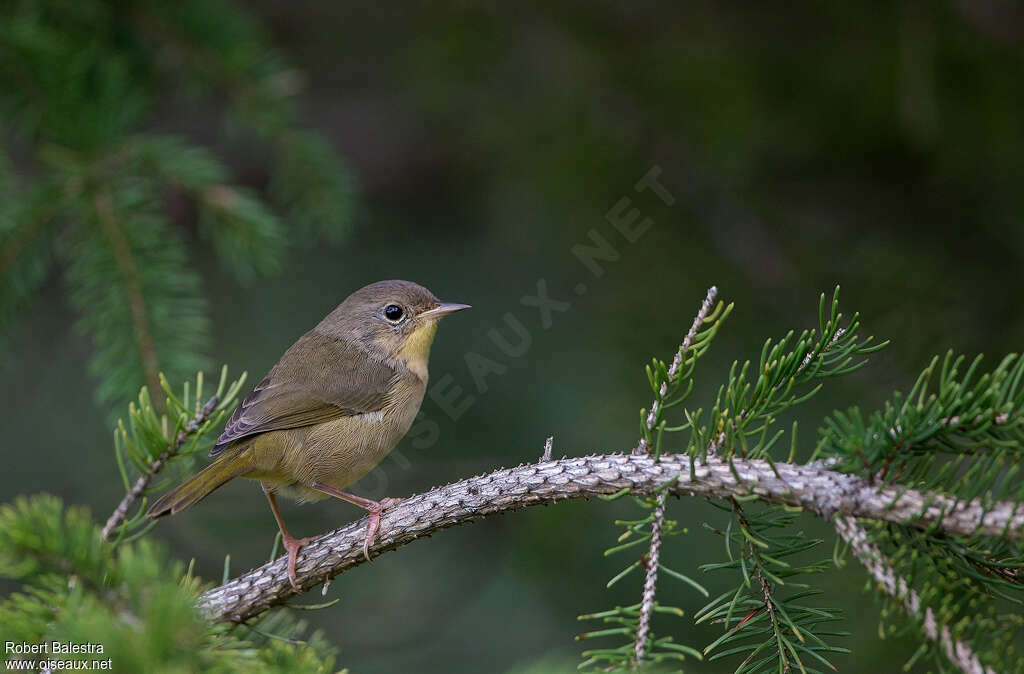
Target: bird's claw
x=374, y=523
x=293, y=545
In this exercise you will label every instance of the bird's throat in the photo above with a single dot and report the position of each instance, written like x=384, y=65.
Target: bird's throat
x=416, y=351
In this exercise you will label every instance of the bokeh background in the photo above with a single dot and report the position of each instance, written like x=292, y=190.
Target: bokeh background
x=879, y=147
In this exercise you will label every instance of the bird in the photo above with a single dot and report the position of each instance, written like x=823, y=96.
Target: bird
x=334, y=405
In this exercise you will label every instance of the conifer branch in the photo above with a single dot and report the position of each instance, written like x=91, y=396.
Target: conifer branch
x=881, y=569
x=93, y=202
x=140, y=485
x=104, y=203
x=814, y=487
x=642, y=448
x=673, y=370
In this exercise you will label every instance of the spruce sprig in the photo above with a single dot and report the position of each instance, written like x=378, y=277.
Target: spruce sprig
x=149, y=440
x=91, y=190
x=775, y=632
x=959, y=430
x=135, y=602
x=768, y=618
x=789, y=372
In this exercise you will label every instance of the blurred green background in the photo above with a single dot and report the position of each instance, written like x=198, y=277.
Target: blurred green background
x=879, y=147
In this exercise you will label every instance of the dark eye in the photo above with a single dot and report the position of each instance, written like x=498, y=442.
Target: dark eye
x=393, y=313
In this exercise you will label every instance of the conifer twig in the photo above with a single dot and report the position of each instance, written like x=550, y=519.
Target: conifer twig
x=880, y=568
x=135, y=493
x=766, y=590
x=814, y=487
x=713, y=448
x=654, y=550
x=104, y=204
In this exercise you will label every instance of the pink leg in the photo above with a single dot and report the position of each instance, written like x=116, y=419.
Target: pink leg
x=374, y=508
x=292, y=545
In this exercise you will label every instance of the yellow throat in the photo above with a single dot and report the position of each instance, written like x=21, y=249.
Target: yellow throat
x=416, y=351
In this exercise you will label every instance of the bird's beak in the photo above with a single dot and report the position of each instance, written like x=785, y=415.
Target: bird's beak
x=443, y=309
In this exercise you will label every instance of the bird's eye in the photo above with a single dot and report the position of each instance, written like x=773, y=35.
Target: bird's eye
x=393, y=313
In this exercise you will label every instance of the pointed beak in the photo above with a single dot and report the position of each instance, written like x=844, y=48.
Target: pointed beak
x=443, y=309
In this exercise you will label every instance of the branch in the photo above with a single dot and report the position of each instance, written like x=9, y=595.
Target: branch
x=643, y=629
x=133, y=495
x=880, y=568
x=813, y=487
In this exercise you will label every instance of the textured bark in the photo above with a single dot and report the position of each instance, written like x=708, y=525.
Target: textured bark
x=813, y=487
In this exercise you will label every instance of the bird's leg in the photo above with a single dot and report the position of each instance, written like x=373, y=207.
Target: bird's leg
x=292, y=545
x=374, y=508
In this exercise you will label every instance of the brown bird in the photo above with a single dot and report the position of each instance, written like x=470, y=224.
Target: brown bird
x=332, y=408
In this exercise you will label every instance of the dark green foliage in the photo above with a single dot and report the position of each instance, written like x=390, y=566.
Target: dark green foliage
x=955, y=434
x=771, y=619
x=960, y=431
x=128, y=277
x=149, y=442
x=974, y=585
x=38, y=539
x=745, y=411
x=763, y=630
x=134, y=601
x=81, y=83
x=313, y=187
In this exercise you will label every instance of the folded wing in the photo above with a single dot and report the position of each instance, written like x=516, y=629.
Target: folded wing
x=318, y=379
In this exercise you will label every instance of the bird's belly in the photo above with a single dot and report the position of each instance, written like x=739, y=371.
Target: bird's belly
x=343, y=451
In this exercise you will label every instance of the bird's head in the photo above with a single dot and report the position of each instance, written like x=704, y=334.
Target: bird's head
x=393, y=321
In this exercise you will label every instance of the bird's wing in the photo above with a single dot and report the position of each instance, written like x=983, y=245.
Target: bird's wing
x=330, y=379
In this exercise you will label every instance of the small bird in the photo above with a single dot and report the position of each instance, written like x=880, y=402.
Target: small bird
x=332, y=408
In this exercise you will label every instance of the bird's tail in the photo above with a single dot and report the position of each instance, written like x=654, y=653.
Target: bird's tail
x=198, y=487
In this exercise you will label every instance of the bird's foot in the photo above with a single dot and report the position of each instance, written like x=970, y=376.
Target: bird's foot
x=375, y=510
x=293, y=545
